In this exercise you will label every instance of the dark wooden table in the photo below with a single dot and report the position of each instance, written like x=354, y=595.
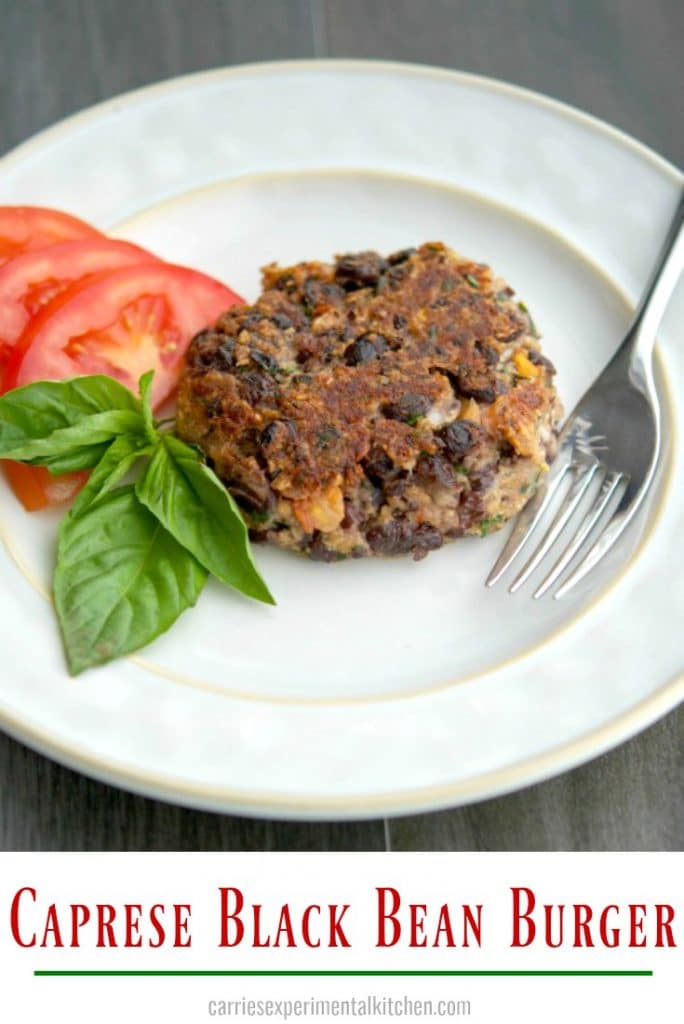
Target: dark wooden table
x=619, y=59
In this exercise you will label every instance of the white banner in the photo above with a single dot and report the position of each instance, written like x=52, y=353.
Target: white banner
x=199, y=937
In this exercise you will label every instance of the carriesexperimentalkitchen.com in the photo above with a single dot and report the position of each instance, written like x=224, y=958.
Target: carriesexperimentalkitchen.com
x=354, y=1006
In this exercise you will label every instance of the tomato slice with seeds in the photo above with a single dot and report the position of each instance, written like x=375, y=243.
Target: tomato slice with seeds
x=32, y=227
x=120, y=323
x=34, y=278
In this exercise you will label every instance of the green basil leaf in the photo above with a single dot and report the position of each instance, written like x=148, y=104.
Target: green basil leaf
x=117, y=460
x=145, y=385
x=74, y=440
x=195, y=507
x=37, y=410
x=77, y=458
x=121, y=580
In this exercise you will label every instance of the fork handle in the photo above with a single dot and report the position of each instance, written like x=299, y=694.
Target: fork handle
x=640, y=339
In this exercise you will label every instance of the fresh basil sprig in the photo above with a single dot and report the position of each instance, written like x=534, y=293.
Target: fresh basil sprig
x=66, y=425
x=121, y=579
x=194, y=506
x=131, y=556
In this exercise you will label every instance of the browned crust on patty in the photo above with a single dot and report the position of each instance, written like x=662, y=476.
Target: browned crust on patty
x=372, y=405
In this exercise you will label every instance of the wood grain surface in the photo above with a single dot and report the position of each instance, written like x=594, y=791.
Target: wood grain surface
x=618, y=59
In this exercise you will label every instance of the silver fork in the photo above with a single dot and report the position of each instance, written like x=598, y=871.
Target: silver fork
x=611, y=438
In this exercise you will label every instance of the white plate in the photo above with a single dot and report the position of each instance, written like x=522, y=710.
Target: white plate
x=385, y=686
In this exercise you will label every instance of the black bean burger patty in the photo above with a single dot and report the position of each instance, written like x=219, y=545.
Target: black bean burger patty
x=373, y=406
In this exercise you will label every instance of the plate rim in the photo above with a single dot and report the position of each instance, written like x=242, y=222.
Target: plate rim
x=342, y=63
x=262, y=803
x=424, y=799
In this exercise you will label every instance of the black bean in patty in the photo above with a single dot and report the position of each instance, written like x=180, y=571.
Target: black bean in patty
x=434, y=469
x=491, y=356
x=320, y=553
x=212, y=350
x=409, y=408
x=459, y=437
x=360, y=351
x=539, y=360
x=378, y=466
x=319, y=295
x=265, y=361
x=281, y=321
x=401, y=256
x=257, y=385
x=426, y=538
x=368, y=346
x=285, y=428
x=485, y=393
x=359, y=270
x=398, y=537
x=257, y=500
x=482, y=479
x=392, y=538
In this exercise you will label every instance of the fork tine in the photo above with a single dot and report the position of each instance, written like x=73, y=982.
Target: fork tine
x=528, y=519
x=604, y=542
x=583, y=475
x=606, y=492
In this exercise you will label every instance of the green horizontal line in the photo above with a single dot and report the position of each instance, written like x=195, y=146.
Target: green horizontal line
x=343, y=974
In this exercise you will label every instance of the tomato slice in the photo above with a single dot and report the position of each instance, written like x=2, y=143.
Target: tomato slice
x=120, y=323
x=34, y=278
x=32, y=227
x=36, y=488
